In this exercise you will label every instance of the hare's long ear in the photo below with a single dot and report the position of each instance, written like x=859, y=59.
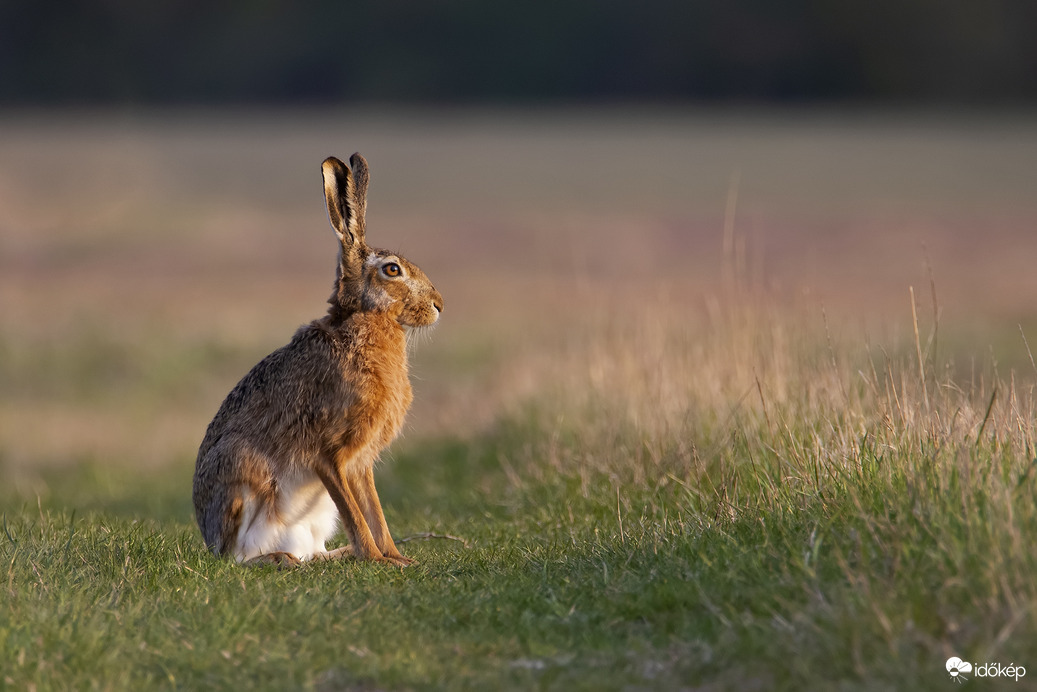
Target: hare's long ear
x=345, y=192
x=360, y=179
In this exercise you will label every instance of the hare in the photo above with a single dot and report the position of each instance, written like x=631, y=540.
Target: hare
x=292, y=448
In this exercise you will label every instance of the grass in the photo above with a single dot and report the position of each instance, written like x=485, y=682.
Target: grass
x=658, y=482
x=745, y=510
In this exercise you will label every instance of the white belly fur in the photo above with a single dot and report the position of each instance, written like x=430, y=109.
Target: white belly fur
x=303, y=520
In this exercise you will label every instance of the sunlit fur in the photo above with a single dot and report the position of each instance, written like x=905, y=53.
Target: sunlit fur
x=292, y=448
x=411, y=292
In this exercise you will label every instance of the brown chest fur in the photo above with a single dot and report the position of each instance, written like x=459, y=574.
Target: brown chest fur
x=378, y=391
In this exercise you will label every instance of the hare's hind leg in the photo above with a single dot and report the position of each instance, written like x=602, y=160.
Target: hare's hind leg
x=336, y=554
x=219, y=508
x=367, y=497
x=229, y=525
x=281, y=559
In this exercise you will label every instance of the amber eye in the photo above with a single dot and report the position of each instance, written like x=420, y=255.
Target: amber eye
x=391, y=269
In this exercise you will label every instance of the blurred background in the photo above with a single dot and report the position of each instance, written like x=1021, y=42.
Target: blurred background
x=406, y=51
x=551, y=165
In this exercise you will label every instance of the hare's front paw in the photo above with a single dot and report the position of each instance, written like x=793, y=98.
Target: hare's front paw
x=398, y=560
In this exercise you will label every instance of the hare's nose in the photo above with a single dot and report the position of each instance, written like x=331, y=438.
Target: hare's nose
x=437, y=302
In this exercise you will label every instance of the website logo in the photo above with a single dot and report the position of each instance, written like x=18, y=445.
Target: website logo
x=960, y=670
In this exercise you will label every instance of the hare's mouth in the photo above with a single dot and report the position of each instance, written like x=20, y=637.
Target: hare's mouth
x=424, y=316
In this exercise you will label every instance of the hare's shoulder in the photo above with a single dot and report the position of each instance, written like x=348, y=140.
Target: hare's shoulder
x=312, y=358
x=288, y=383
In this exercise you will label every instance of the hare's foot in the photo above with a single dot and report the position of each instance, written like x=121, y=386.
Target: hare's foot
x=394, y=557
x=400, y=562
x=347, y=551
x=336, y=554
x=282, y=559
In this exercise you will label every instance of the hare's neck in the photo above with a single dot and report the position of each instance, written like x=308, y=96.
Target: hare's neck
x=379, y=362
x=345, y=299
x=381, y=339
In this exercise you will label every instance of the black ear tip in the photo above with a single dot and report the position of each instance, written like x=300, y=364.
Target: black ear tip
x=332, y=163
x=357, y=161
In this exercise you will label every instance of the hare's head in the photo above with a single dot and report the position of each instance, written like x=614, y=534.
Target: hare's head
x=370, y=279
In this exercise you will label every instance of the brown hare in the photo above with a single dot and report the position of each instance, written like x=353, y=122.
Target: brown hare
x=292, y=449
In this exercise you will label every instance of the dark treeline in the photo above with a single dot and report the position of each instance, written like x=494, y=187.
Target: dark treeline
x=327, y=51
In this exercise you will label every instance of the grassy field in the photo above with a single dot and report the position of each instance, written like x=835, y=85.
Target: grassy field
x=717, y=403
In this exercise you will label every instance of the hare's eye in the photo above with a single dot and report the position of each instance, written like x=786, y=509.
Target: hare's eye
x=391, y=269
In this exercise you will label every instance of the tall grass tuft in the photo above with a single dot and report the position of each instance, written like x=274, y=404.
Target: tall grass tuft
x=887, y=499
